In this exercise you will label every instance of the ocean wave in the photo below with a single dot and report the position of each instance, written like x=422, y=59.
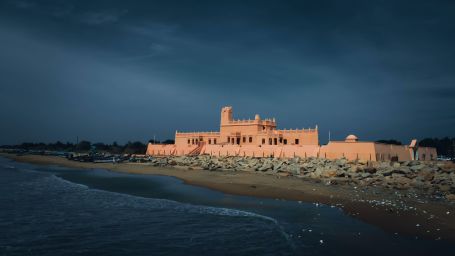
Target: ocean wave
x=56, y=184
x=133, y=201
x=64, y=191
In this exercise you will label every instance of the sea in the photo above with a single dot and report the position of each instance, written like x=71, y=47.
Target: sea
x=51, y=210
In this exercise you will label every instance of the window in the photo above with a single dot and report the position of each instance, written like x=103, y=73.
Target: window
x=270, y=141
x=296, y=141
x=210, y=141
x=285, y=141
x=250, y=139
x=281, y=140
x=189, y=141
x=192, y=141
x=275, y=141
x=244, y=139
x=214, y=141
x=263, y=127
x=263, y=141
x=229, y=139
x=232, y=140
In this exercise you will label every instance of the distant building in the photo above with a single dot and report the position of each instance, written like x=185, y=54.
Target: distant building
x=261, y=138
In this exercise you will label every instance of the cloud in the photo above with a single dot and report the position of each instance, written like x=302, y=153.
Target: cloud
x=102, y=17
x=23, y=4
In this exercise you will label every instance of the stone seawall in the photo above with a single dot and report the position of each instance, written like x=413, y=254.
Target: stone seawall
x=434, y=178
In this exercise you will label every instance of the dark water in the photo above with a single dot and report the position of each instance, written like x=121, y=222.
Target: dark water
x=59, y=211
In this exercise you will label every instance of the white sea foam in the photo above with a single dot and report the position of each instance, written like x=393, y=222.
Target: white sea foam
x=107, y=199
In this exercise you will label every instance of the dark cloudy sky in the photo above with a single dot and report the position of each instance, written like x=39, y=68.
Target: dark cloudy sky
x=127, y=70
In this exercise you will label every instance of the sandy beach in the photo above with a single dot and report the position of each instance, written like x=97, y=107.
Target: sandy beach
x=394, y=211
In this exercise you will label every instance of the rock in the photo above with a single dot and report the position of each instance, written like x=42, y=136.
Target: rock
x=308, y=165
x=355, y=169
x=401, y=171
x=365, y=175
x=277, y=166
x=396, y=165
x=295, y=169
x=426, y=175
x=362, y=162
x=329, y=173
x=413, y=163
x=341, y=162
x=450, y=197
x=416, y=168
x=405, y=163
x=370, y=169
x=265, y=167
x=402, y=180
x=317, y=173
x=444, y=188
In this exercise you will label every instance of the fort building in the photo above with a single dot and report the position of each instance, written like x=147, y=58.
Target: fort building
x=260, y=138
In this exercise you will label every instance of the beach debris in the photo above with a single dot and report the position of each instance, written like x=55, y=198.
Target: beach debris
x=321, y=241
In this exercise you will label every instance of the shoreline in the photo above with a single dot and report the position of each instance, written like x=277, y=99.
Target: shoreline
x=391, y=210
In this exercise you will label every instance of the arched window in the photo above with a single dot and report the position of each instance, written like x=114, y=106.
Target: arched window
x=189, y=141
x=250, y=139
x=244, y=140
x=296, y=141
x=214, y=141
x=210, y=141
x=263, y=141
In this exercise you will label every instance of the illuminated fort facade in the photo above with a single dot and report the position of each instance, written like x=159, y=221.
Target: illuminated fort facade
x=261, y=138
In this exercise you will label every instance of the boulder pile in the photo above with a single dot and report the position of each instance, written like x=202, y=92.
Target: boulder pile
x=436, y=177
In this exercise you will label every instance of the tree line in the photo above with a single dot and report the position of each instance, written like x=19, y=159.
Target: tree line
x=135, y=147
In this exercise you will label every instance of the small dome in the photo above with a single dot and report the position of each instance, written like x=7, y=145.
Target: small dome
x=351, y=138
x=257, y=117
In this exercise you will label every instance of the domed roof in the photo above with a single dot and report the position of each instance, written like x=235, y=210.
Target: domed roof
x=351, y=138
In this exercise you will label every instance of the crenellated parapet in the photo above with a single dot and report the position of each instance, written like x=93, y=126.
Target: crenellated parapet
x=185, y=134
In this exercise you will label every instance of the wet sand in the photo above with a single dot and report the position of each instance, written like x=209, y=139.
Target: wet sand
x=402, y=212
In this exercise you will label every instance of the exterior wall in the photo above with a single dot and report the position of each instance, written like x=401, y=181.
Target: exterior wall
x=349, y=150
x=286, y=151
x=260, y=138
x=159, y=149
x=426, y=153
x=386, y=152
x=369, y=151
x=193, y=138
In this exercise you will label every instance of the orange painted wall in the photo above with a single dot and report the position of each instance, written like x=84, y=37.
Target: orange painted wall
x=267, y=141
x=349, y=150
